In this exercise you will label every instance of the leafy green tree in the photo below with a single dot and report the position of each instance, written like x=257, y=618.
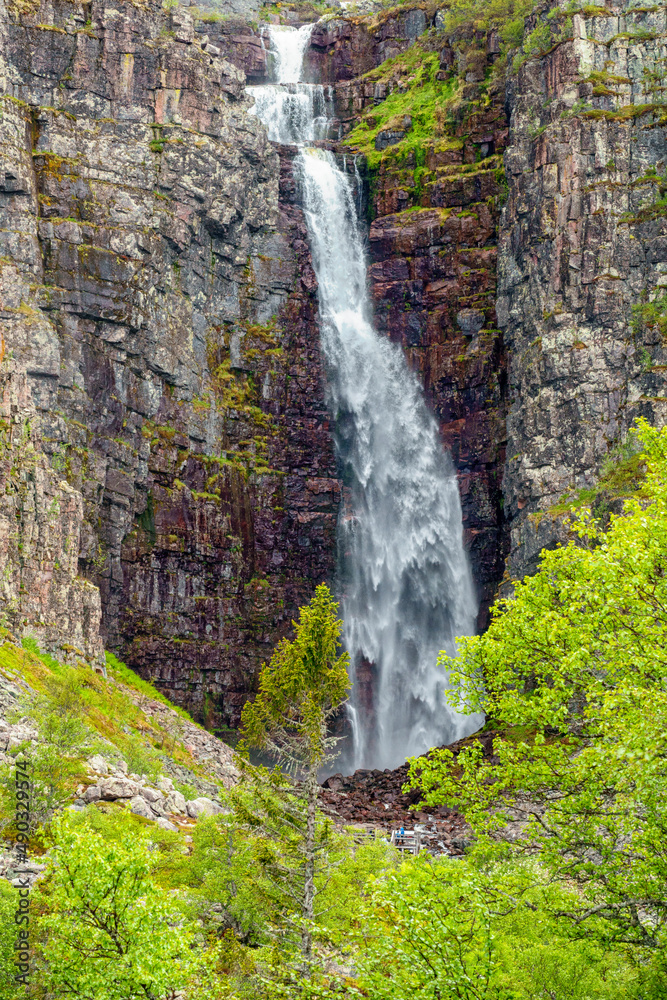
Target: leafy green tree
x=453, y=930
x=108, y=931
x=56, y=759
x=8, y=935
x=300, y=690
x=573, y=670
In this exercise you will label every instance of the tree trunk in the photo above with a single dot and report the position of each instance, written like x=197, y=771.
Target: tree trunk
x=309, y=851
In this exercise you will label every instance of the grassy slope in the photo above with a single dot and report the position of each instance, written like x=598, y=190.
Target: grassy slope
x=110, y=709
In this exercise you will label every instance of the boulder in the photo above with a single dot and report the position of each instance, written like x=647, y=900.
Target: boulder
x=164, y=824
x=118, y=788
x=92, y=794
x=176, y=803
x=98, y=764
x=140, y=807
x=152, y=795
x=203, y=807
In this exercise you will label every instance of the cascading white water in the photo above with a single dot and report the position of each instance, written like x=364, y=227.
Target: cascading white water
x=407, y=585
x=293, y=112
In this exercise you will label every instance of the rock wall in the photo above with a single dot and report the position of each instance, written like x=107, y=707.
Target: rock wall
x=158, y=291
x=164, y=308
x=41, y=593
x=583, y=241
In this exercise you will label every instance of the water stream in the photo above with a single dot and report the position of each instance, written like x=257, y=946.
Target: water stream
x=406, y=585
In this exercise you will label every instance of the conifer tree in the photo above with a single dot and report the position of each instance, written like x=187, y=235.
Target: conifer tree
x=300, y=690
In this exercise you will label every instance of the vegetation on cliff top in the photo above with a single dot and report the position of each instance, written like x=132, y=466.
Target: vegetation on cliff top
x=419, y=111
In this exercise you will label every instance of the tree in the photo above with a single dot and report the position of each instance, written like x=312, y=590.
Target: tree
x=109, y=932
x=573, y=671
x=300, y=690
x=8, y=937
x=438, y=929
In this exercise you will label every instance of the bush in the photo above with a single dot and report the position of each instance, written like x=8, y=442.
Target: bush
x=109, y=932
x=573, y=670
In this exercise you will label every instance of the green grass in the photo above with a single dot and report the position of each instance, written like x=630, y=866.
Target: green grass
x=427, y=101
x=103, y=707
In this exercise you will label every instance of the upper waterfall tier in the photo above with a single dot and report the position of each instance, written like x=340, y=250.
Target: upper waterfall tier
x=288, y=48
x=407, y=587
x=293, y=113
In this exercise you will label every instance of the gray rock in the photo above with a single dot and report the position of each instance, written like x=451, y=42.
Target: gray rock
x=118, y=788
x=164, y=824
x=140, y=807
x=152, y=795
x=176, y=803
x=203, y=807
x=98, y=764
x=92, y=794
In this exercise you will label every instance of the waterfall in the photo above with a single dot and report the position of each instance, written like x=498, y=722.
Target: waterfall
x=407, y=587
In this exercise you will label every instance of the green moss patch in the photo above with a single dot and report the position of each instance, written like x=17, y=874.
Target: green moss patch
x=623, y=474
x=420, y=109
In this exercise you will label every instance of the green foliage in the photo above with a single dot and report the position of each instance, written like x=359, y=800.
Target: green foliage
x=573, y=669
x=623, y=473
x=424, y=99
x=651, y=315
x=300, y=689
x=505, y=15
x=270, y=825
x=302, y=686
x=55, y=766
x=444, y=929
x=78, y=713
x=108, y=933
x=226, y=890
x=546, y=34
x=8, y=932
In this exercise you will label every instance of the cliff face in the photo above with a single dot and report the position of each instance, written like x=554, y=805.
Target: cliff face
x=164, y=308
x=435, y=208
x=156, y=287
x=583, y=242
x=41, y=592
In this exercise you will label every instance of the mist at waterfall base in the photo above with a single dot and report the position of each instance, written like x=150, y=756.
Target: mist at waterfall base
x=404, y=578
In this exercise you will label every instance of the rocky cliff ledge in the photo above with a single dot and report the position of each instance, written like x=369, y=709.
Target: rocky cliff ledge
x=583, y=251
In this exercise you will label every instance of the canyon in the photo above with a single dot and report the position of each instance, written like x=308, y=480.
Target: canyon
x=162, y=362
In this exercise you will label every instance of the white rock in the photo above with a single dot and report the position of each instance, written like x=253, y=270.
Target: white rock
x=176, y=803
x=165, y=784
x=164, y=824
x=151, y=795
x=98, y=764
x=140, y=807
x=203, y=807
x=118, y=788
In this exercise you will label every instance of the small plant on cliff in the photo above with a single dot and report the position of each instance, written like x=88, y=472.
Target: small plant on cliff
x=507, y=16
x=651, y=316
x=300, y=689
